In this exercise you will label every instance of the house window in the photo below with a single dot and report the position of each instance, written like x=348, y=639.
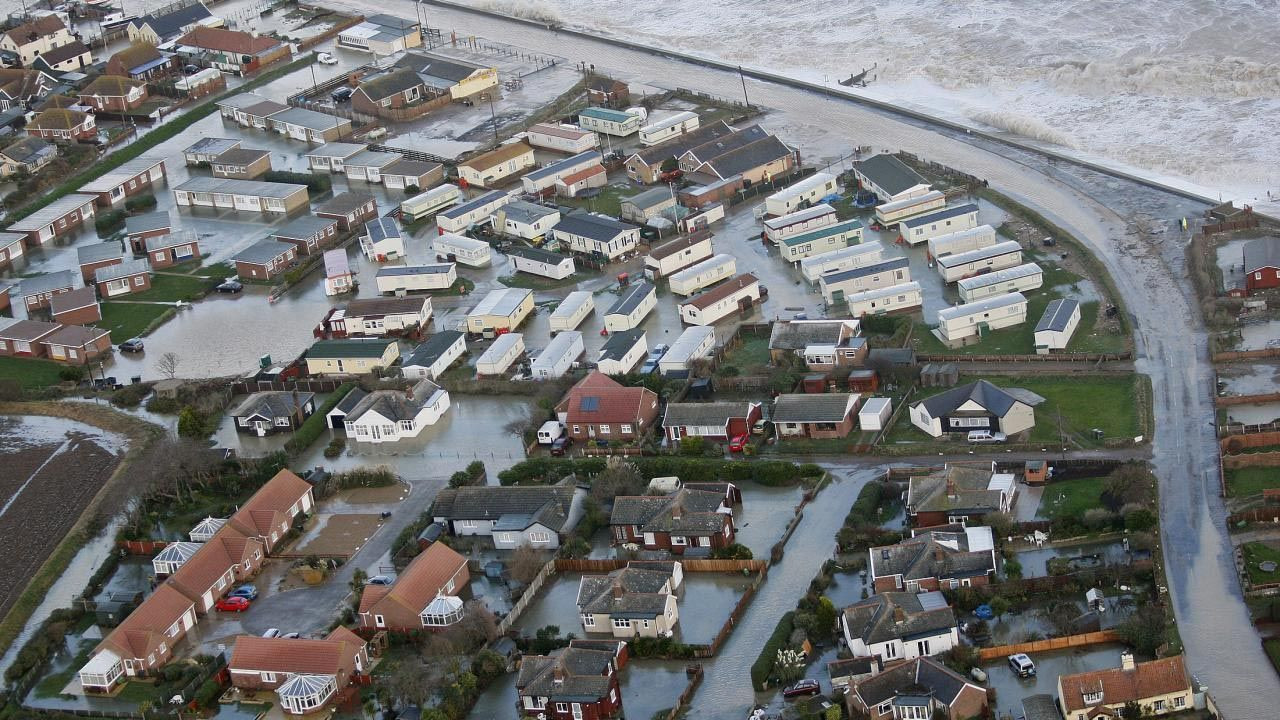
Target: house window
x=539, y=537
x=1179, y=701
x=626, y=429
x=913, y=712
x=604, y=429
x=379, y=621
x=562, y=707
x=268, y=677
x=621, y=623
x=646, y=624
x=1159, y=705
x=884, y=708
x=890, y=650
x=588, y=621
x=576, y=430
x=506, y=538
x=534, y=703
x=678, y=540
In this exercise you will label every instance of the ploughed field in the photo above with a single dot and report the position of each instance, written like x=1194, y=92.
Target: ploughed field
x=46, y=480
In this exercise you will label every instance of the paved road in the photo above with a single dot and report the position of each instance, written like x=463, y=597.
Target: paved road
x=1098, y=209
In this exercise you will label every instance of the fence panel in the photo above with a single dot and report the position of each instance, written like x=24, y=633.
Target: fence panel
x=1070, y=641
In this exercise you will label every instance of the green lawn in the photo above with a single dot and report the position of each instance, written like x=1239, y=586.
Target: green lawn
x=535, y=282
x=1255, y=553
x=1272, y=646
x=609, y=201
x=171, y=288
x=30, y=373
x=219, y=271
x=1071, y=498
x=129, y=320
x=751, y=357
x=1244, y=482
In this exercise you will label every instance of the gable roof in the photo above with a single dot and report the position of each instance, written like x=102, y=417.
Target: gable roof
x=171, y=23
x=28, y=150
x=112, y=85
x=715, y=414
x=1057, y=315
x=98, y=252
x=263, y=252
x=125, y=269
x=432, y=349
x=594, y=227
x=277, y=496
x=273, y=404
x=136, y=55
x=725, y=289
x=389, y=84
x=895, y=616
x=677, y=146
x=632, y=298
x=296, y=655
x=953, y=488
x=58, y=119
x=1261, y=253
x=229, y=41
x=800, y=334
x=933, y=554
x=813, y=408
x=636, y=591
x=142, y=631
x=920, y=676
x=749, y=157
x=993, y=399
x=717, y=145
x=547, y=505
x=23, y=84
x=687, y=511
x=73, y=336
x=63, y=53
x=344, y=203
x=397, y=405
x=497, y=156
x=420, y=582
x=304, y=226
x=621, y=343
x=78, y=298
x=576, y=674
x=1118, y=686
x=29, y=32
x=890, y=173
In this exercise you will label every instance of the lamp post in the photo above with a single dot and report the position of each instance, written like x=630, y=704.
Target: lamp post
x=493, y=117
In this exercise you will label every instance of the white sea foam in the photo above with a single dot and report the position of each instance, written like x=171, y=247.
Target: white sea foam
x=530, y=10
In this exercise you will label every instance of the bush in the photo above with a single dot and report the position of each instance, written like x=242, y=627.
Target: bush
x=109, y=222
x=1139, y=520
x=208, y=693
x=664, y=648
x=693, y=446
x=130, y=395
x=163, y=406
x=142, y=203
x=736, y=551
x=316, y=184
x=762, y=668
x=316, y=424
x=72, y=373
x=335, y=447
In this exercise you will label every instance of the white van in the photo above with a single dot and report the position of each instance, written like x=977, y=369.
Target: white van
x=549, y=432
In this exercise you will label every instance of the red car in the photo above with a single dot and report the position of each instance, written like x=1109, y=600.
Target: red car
x=233, y=604
x=737, y=443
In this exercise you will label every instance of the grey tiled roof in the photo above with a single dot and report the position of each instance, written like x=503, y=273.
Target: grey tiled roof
x=263, y=252
x=584, y=675
x=273, y=404
x=47, y=282
x=629, y=592
x=549, y=505
x=924, y=556
x=586, y=225
x=303, y=227
x=995, y=400
x=396, y=404
x=799, y=335
x=679, y=145
x=128, y=268
x=920, y=674
x=889, y=173
x=631, y=299
x=432, y=349
x=749, y=157
x=968, y=491
x=147, y=222
x=810, y=408
x=876, y=619
x=1056, y=315
x=713, y=413
x=97, y=252
x=619, y=343
x=697, y=512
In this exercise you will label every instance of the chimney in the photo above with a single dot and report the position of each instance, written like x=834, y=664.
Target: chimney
x=951, y=487
x=899, y=615
x=616, y=590
x=937, y=554
x=557, y=675
x=1126, y=660
x=677, y=510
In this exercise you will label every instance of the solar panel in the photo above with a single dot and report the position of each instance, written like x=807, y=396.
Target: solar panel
x=590, y=404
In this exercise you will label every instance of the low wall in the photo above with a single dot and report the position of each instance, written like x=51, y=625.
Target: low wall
x=330, y=33
x=1039, y=646
x=529, y=594
x=1248, y=460
x=1236, y=443
x=689, y=565
x=1031, y=359
x=1229, y=400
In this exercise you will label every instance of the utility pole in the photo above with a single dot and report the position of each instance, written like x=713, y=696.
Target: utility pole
x=743, y=78
x=493, y=117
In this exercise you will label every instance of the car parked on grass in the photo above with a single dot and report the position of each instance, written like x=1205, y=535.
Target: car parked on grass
x=1022, y=666
x=233, y=604
x=808, y=686
x=248, y=592
x=132, y=345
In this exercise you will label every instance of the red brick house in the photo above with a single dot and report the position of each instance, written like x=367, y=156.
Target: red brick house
x=718, y=421
x=142, y=643
x=607, y=92
x=63, y=124
x=168, y=250
x=138, y=229
x=941, y=558
x=265, y=259
x=600, y=407
x=958, y=494
x=22, y=338
x=95, y=256
x=78, y=307
x=235, y=51
x=817, y=416
x=131, y=178
x=396, y=90
x=437, y=572
x=76, y=344
x=124, y=278
x=114, y=94
x=306, y=674
x=1261, y=264
x=230, y=557
x=350, y=209
x=269, y=514
x=580, y=683
x=687, y=518
x=37, y=292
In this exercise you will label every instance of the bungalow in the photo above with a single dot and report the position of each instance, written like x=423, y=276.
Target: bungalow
x=71, y=57
x=459, y=79
x=265, y=259
x=305, y=674
x=367, y=165
x=232, y=555
x=958, y=494
x=205, y=150
x=636, y=601
x=351, y=357
x=309, y=125
x=160, y=28
x=401, y=279
x=385, y=416
x=382, y=240
x=561, y=138
x=309, y=233
x=816, y=416
x=1056, y=326
x=27, y=155
x=601, y=237
x=645, y=164
x=350, y=209
x=22, y=88
x=600, y=407
x=761, y=161
x=799, y=337
x=140, y=61
x=943, y=558
x=36, y=292
x=710, y=194
x=5, y=300
x=512, y=516
x=607, y=91
x=525, y=219
x=76, y=344
x=63, y=124
x=633, y=305
x=1260, y=260
x=127, y=180
x=492, y=168
x=331, y=156
x=379, y=317
x=897, y=626
x=836, y=286
x=622, y=352
x=396, y=90
x=735, y=295
x=500, y=311
x=241, y=195
x=545, y=178
x=138, y=229
x=405, y=174
x=648, y=204
x=436, y=572
x=338, y=277
x=579, y=683
x=233, y=51
x=273, y=411
x=250, y=110
x=35, y=38
x=543, y=263
x=142, y=643
x=125, y=278
x=97, y=255
x=975, y=406
x=1158, y=687
x=21, y=338
x=677, y=255
x=114, y=94
x=717, y=421
x=609, y=122
x=921, y=688
x=269, y=513
x=435, y=355
x=78, y=307
x=382, y=35
x=697, y=515
x=577, y=183
x=242, y=164
x=889, y=178
x=10, y=248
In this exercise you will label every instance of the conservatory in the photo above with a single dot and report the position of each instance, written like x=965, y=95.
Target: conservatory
x=445, y=610
x=205, y=529
x=302, y=694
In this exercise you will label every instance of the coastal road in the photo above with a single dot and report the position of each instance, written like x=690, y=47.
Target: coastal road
x=1101, y=211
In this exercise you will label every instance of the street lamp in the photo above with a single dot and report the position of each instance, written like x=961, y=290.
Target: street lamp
x=492, y=116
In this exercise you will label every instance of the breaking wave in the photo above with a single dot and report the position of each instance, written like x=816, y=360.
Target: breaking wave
x=1217, y=78
x=529, y=10
x=1023, y=125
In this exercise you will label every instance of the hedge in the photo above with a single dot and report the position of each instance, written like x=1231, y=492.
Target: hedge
x=774, y=473
x=316, y=424
x=141, y=203
x=762, y=668
x=316, y=184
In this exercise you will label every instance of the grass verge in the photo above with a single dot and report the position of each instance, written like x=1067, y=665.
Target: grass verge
x=130, y=320
x=1244, y=482
x=1256, y=553
x=1071, y=498
x=30, y=373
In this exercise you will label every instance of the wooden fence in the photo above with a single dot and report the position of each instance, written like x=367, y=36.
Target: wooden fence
x=530, y=593
x=1031, y=359
x=1249, y=221
x=738, y=610
x=695, y=679
x=142, y=547
x=1249, y=460
x=1235, y=443
x=1241, y=430
x=315, y=385
x=1263, y=514
x=1230, y=400
x=689, y=565
x=1039, y=646
x=330, y=33
x=1234, y=355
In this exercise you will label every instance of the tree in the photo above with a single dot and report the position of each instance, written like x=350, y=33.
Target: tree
x=669, y=164
x=1129, y=483
x=525, y=564
x=487, y=666
x=1144, y=631
x=1131, y=711
x=618, y=478
x=168, y=365
x=477, y=627
x=190, y=424
x=409, y=685
x=999, y=606
x=824, y=616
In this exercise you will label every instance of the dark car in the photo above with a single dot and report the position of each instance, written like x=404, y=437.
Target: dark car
x=248, y=592
x=342, y=94
x=561, y=444
x=229, y=286
x=191, y=69
x=132, y=345
x=802, y=687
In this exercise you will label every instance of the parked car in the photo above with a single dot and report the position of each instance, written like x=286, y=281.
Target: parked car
x=292, y=636
x=271, y=633
x=650, y=366
x=326, y=59
x=737, y=442
x=985, y=436
x=132, y=345
x=658, y=351
x=1022, y=665
x=808, y=686
x=380, y=580
x=561, y=445
x=233, y=604
x=248, y=592
x=191, y=69
x=342, y=94
x=229, y=286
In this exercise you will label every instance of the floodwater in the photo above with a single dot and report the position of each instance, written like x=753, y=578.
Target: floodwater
x=1230, y=260
x=1239, y=379
x=763, y=515
x=1253, y=414
x=1011, y=689
x=1256, y=336
x=1035, y=562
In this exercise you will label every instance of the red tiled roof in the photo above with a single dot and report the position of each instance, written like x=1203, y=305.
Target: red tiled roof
x=613, y=403
x=58, y=119
x=582, y=175
x=295, y=655
x=424, y=579
x=371, y=595
x=229, y=41
x=143, y=630
x=112, y=86
x=1119, y=686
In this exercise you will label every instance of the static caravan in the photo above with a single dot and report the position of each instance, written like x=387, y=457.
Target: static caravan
x=415, y=278
x=459, y=248
x=1056, y=326
x=837, y=286
x=801, y=194
x=500, y=311
x=338, y=277
x=677, y=255
x=544, y=178
x=735, y=295
x=800, y=221
x=576, y=306
x=473, y=212
x=501, y=354
x=708, y=272
x=558, y=357
x=988, y=259
x=543, y=263
x=694, y=343
x=963, y=323
x=1027, y=276
x=430, y=359
x=525, y=219
x=668, y=128
x=854, y=256
x=922, y=228
x=896, y=298
x=893, y=212
x=635, y=303
x=609, y=122
x=622, y=352
x=561, y=138
x=832, y=237
x=382, y=240
x=424, y=205
x=962, y=241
